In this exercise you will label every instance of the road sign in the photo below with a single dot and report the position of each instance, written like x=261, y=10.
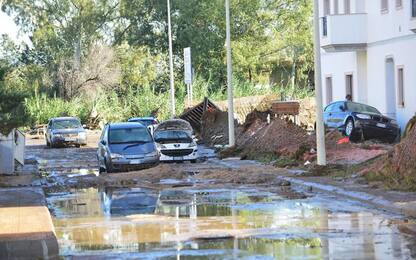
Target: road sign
x=188, y=65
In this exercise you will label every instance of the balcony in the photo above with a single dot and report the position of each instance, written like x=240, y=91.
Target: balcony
x=344, y=32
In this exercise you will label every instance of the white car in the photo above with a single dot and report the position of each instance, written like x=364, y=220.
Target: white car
x=175, y=141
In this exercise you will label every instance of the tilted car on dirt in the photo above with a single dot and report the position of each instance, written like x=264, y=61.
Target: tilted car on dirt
x=175, y=141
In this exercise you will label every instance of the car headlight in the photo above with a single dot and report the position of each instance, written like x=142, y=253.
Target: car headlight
x=193, y=144
x=363, y=116
x=393, y=122
x=160, y=146
x=57, y=135
x=82, y=135
x=116, y=156
x=152, y=154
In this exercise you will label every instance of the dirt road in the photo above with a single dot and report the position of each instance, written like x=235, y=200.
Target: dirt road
x=214, y=209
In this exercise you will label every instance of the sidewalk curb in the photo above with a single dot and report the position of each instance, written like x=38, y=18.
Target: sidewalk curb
x=373, y=200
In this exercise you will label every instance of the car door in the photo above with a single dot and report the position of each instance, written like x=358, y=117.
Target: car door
x=338, y=115
x=328, y=116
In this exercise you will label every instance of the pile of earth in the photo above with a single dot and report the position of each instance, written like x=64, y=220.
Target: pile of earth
x=263, y=134
x=214, y=127
x=397, y=168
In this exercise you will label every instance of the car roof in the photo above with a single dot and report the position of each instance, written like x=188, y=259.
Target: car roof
x=65, y=118
x=142, y=118
x=125, y=125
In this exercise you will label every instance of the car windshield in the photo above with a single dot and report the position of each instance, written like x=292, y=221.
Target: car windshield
x=129, y=135
x=172, y=135
x=361, y=108
x=66, y=124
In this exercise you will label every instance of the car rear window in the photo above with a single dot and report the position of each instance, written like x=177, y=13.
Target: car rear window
x=361, y=108
x=66, y=124
x=129, y=135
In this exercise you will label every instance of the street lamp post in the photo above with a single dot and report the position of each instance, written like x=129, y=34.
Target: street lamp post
x=231, y=133
x=172, y=79
x=320, y=130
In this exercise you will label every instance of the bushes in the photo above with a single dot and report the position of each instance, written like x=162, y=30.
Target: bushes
x=40, y=108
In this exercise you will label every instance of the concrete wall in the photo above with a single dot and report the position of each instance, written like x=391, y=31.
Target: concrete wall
x=12, y=149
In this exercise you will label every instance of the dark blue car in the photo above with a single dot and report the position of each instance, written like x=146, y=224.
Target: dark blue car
x=126, y=146
x=360, y=122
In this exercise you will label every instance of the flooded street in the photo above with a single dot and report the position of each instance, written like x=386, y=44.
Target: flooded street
x=190, y=218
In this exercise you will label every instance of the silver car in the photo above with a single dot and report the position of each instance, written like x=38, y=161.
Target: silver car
x=65, y=131
x=126, y=146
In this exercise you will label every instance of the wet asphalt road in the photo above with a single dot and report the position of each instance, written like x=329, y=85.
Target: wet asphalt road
x=198, y=222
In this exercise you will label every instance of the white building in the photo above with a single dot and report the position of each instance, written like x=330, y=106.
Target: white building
x=369, y=51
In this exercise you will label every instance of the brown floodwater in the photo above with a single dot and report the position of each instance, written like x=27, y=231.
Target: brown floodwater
x=247, y=223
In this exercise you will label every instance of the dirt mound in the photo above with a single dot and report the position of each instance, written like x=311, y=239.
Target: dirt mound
x=280, y=137
x=404, y=156
x=215, y=127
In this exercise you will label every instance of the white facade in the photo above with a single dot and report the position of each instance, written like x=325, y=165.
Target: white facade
x=372, y=44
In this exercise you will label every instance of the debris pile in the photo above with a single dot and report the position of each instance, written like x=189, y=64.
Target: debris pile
x=279, y=137
x=214, y=127
x=403, y=161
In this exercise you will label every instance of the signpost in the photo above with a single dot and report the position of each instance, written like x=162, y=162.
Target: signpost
x=188, y=72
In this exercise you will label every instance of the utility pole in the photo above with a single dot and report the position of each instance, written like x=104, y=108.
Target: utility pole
x=231, y=133
x=320, y=129
x=172, y=80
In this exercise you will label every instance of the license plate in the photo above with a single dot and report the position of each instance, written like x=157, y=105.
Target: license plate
x=178, y=158
x=69, y=139
x=381, y=125
x=135, y=161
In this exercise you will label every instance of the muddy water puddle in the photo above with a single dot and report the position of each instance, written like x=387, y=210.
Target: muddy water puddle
x=220, y=224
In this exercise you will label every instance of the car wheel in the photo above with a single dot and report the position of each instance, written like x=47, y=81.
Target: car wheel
x=349, y=128
x=77, y=145
x=193, y=161
x=47, y=143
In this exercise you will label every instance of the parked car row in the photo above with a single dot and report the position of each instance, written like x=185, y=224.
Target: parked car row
x=136, y=144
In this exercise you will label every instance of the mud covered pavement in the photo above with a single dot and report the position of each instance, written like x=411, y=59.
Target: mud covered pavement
x=214, y=209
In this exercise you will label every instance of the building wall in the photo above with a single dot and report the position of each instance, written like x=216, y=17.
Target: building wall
x=403, y=53
x=389, y=36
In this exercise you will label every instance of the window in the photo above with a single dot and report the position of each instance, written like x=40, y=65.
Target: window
x=400, y=86
x=349, y=85
x=327, y=7
x=336, y=7
x=399, y=3
x=414, y=8
x=384, y=5
x=328, y=90
x=347, y=6
x=324, y=26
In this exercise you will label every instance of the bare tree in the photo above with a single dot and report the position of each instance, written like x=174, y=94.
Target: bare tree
x=99, y=69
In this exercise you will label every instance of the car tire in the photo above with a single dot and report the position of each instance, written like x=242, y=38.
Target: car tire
x=349, y=128
x=101, y=170
x=193, y=161
x=77, y=145
x=48, y=144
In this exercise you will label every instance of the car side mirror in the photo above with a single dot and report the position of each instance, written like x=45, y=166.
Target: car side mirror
x=84, y=126
x=342, y=108
x=103, y=142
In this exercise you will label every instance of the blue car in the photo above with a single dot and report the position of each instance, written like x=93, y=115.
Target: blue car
x=126, y=146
